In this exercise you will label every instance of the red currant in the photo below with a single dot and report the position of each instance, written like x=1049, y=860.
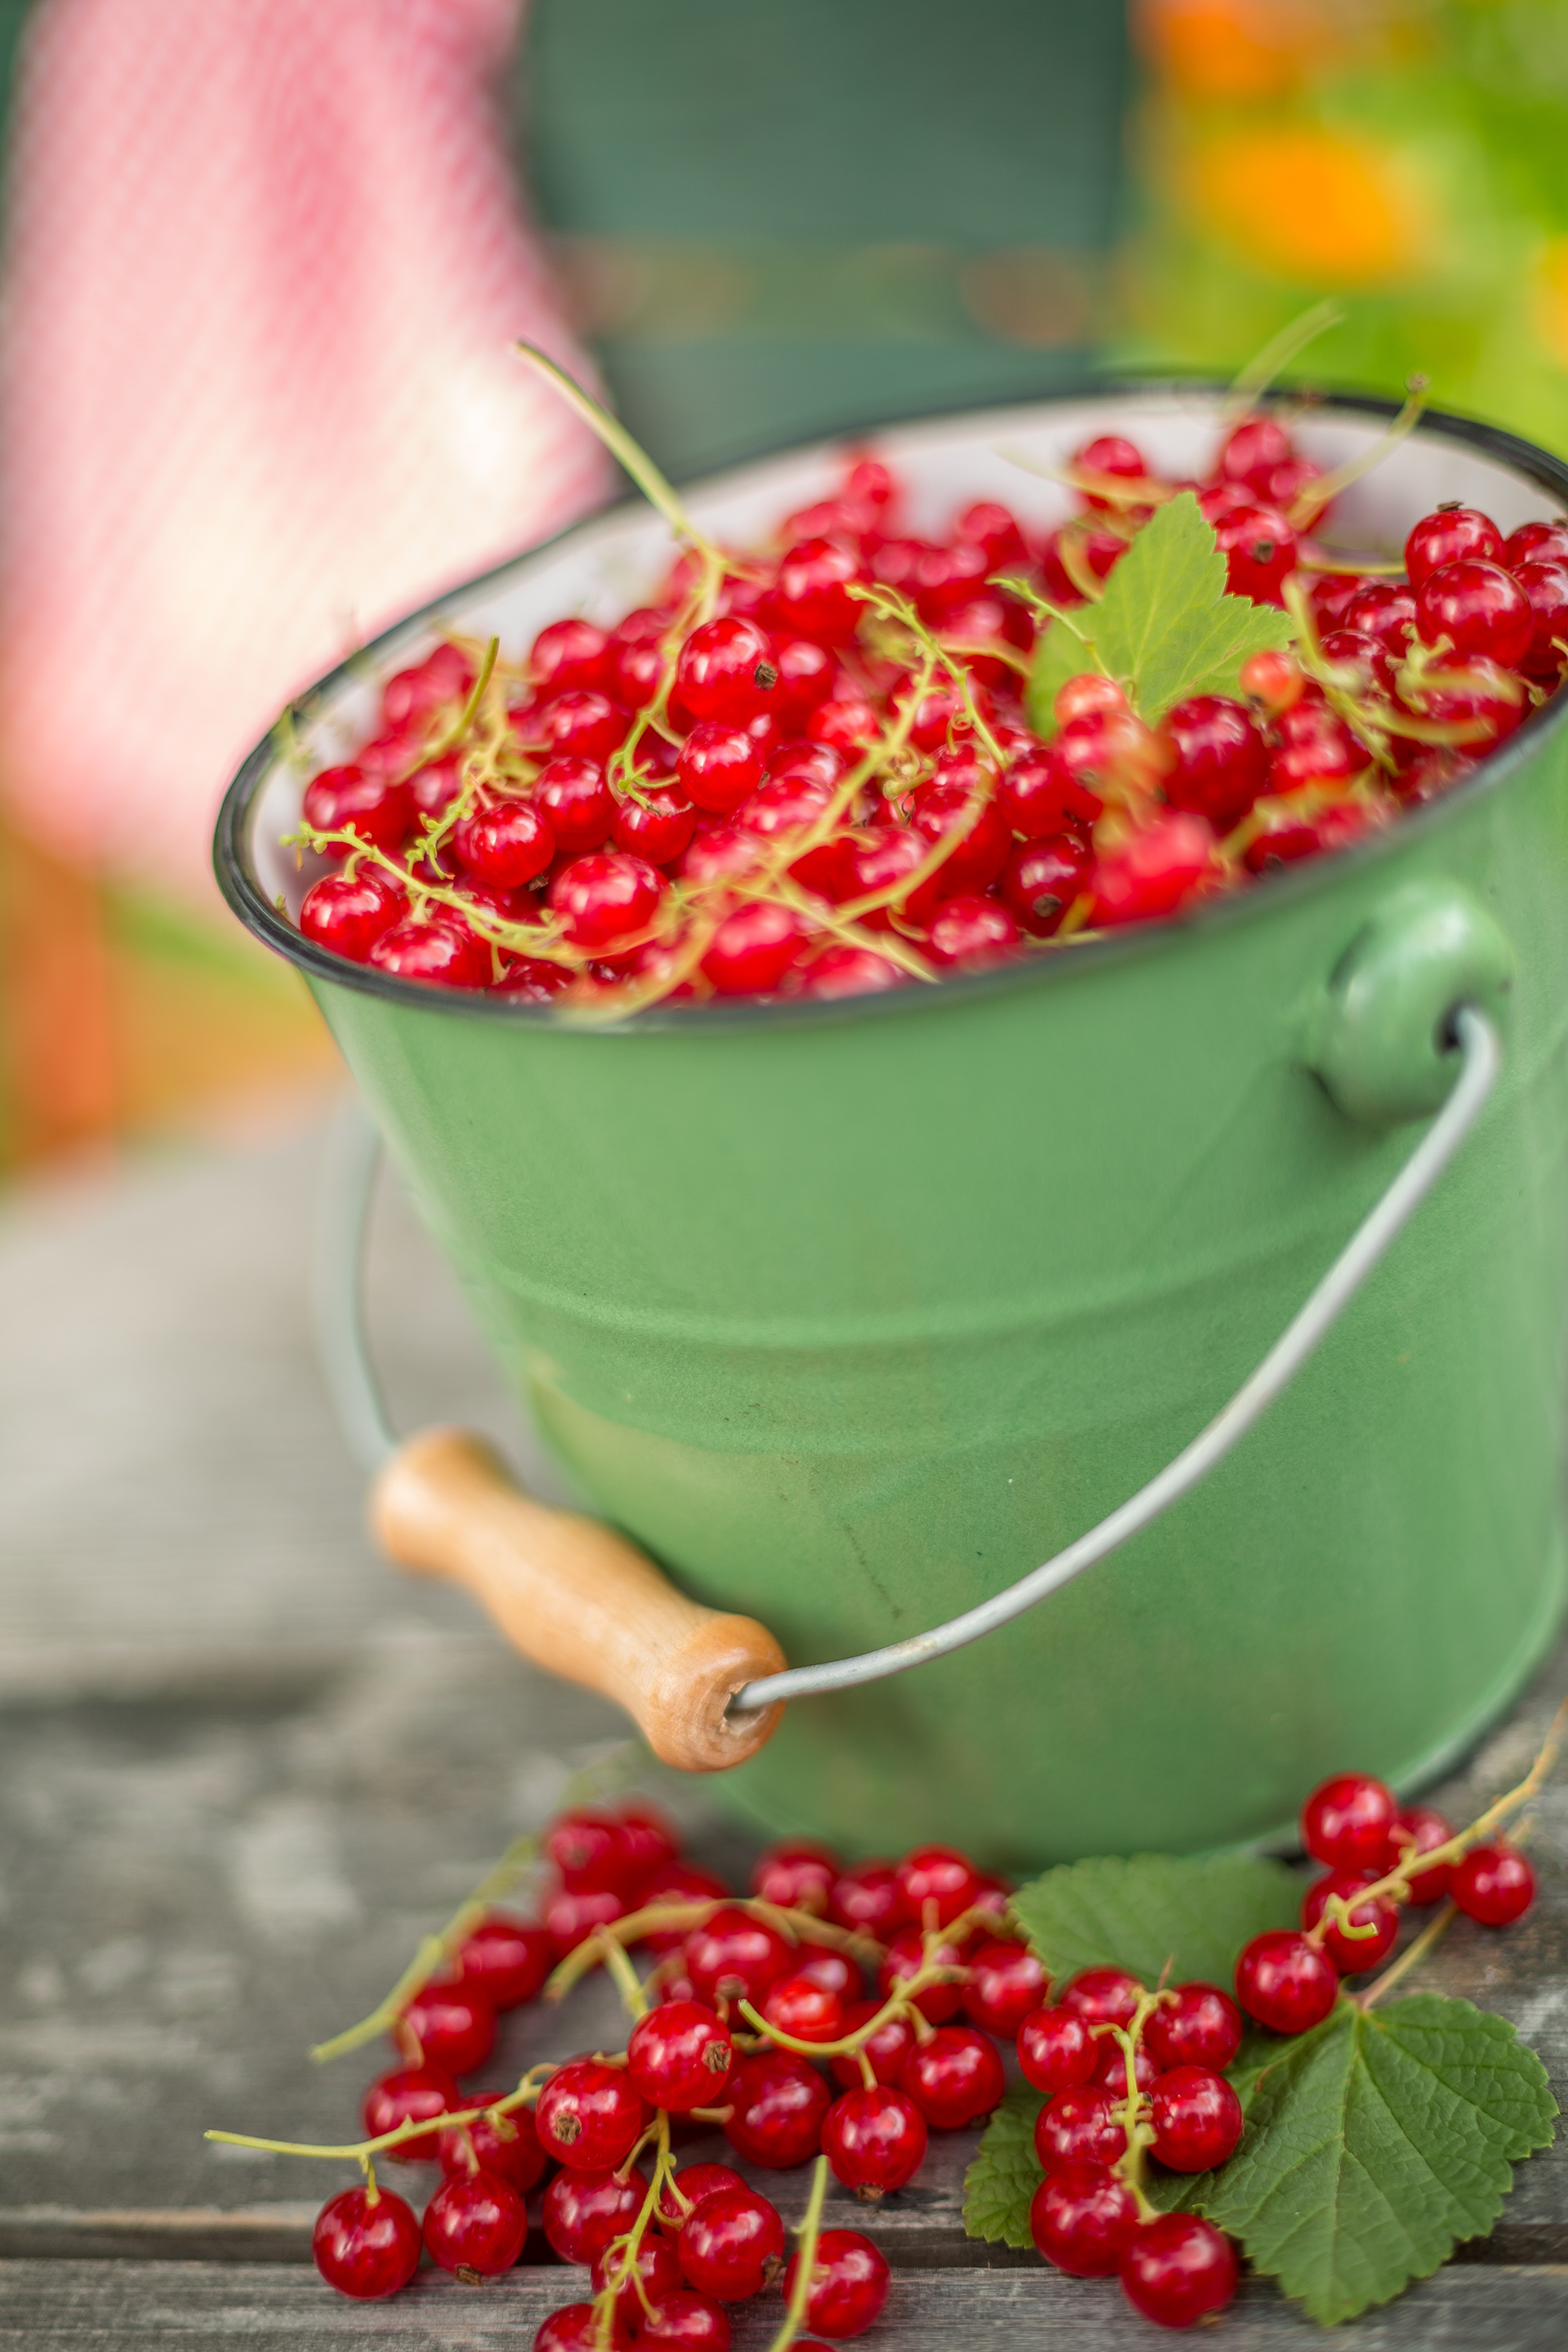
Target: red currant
x=410, y=2094
x=1179, y=2270
x=776, y=2106
x=1535, y=542
x=1039, y=795
x=1196, y=2025
x=797, y=1875
x=506, y=845
x=408, y=699
x=1043, y=878
x=994, y=529
x=1330, y=596
x=1313, y=746
x=637, y=659
x=947, y=577
x=1111, y=453
x=811, y=597
x=1222, y=763
x=874, y=2139
x=808, y=2010
x=1260, y=550
x=655, y=2264
x=968, y=933
x=366, y=2242
x=849, y=2280
x=1252, y=451
x=1546, y=587
x=1155, y=872
x=679, y=2056
x=588, y=1848
x=956, y=798
x=937, y=1883
x=349, y=912
x=589, y=2115
x=447, y=2026
x=726, y=671
x=678, y=1882
x=784, y=805
x=685, y=2318
x=346, y=800
x=577, y=801
x=575, y=2327
x=1083, y=2219
x=868, y=1897
x=584, y=2210
x=1346, y=1822
x=1385, y=613
x=1057, y=2052
x=575, y=1912
x=1079, y=2125
x=1197, y=2120
x=1493, y=1884
x=1273, y=680
x=475, y=2223
x=887, y=2049
x=1476, y=608
x=850, y=723
x=1452, y=535
x=1416, y=1829
x=720, y=766
x=807, y=675
x=1111, y=2067
x=902, y=1963
x=443, y=953
x=1285, y=1982
x=569, y=653
x=695, y=2183
x=733, y=1956
x=606, y=896
x=732, y=2245
x=1351, y=1954
x=1005, y=1983
x=506, y=2145
x=954, y=2078
x=1369, y=664
x=1103, y=1996
x=657, y=827
x=752, y=949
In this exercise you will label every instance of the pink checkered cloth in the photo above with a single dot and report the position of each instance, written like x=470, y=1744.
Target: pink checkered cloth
x=266, y=260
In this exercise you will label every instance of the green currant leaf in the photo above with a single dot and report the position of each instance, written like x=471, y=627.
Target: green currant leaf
x=1004, y=2172
x=1374, y=2144
x=1059, y=656
x=1155, y=1913
x=1165, y=626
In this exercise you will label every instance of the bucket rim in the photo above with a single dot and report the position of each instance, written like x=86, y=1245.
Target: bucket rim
x=236, y=880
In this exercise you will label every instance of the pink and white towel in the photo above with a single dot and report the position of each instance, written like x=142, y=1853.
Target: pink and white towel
x=266, y=263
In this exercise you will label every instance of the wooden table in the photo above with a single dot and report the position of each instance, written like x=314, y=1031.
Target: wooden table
x=242, y=1767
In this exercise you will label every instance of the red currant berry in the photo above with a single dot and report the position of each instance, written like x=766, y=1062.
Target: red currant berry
x=679, y=2056
x=719, y=767
x=584, y=2210
x=808, y=2011
x=606, y=896
x=506, y=2145
x=849, y=2282
x=850, y=723
x=475, y=2223
x=637, y=659
x=1351, y=1954
x=1040, y=795
x=836, y=1972
x=506, y=845
x=1483, y=698
x=752, y=949
x=807, y=676
x=1196, y=2117
x=569, y=654
x=1476, y=608
x=505, y=1962
x=575, y=1912
x=442, y=953
x=1043, y=878
x=874, y=484
x=1007, y=1982
x=1385, y=615
x=734, y=1957
x=868, y=1897
x=588, y=1848
x=995, y=529
x=1155, y=872
x=447, y=2026
x=946, y=578
x=695, y=2183
x=732, y=2245
x=687, y=2319
x=1273, y=680
x=903, y=1962
x=528, y=980
x=678, y=1882
x=937, y=1883
x=1535, y=542
x=1079, y=2125
x=1260, y=550
x=657, y=826
x=1346, y=1823
x=1057, y=2052
x=1222, y=763
x=577, y=801
x=1109, y=453
x=1285, y=1982
x=1103, y=1996
x=954, y=2078
x=726, y=672
x=589, y=2117
x=655, y=2264
x=575, y=2327
x=955, y=799
x=1330, y=596
x=1314, y=746
x=1452, y=535
x=1253, y=450
x=366, y=2244
x=968, y=933
x=410, y=2094
x=1546, y=587
x=886, y=2050
x=1369, y=664
x=1179, y=2270
x=1196, y=2025
x=349, y=912
x=346, y=800
x=584, y=726
x=1083, y=2219
x=444, y=676
x=874, y=2139
x=1111, y=2067
x=1416, y=1829
x=1493, y=1884
x=784, y=805
x=811, y=595
x=776, y=2106
x=797, y=1875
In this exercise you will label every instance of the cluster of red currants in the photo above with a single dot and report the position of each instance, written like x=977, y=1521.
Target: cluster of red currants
x=808, y=773
x=1377, y=1857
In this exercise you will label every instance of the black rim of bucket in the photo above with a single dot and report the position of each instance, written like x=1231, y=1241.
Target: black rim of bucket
x=236, y=880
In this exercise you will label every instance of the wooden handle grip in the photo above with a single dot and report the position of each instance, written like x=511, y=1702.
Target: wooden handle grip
x=577, y=1598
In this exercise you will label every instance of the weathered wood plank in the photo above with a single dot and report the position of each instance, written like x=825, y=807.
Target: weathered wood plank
x=118, y=2307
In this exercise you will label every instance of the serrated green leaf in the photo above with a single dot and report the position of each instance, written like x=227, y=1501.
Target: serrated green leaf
x=1155, y=1912
x=1376, y=2142
x=1165, y=626
x=1004, y=2172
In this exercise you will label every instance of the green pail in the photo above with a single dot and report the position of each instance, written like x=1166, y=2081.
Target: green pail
x=851, y=1313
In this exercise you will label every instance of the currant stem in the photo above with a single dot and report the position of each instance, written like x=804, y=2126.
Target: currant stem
x=628, y=1982
x=1414, y=1952
x=1311, y=502
x=654, y=1919
x=654, y=487
x=1276, y=354
x=806, y=2270
x=455, y=733
x=358, y=2151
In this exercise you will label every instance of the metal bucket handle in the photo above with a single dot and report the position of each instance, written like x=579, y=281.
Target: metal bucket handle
x=1421, y=987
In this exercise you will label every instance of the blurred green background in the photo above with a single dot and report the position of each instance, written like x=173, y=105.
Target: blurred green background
x=775, y=218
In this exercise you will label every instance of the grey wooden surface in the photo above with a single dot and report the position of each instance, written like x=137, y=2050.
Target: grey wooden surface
x=243, y=1766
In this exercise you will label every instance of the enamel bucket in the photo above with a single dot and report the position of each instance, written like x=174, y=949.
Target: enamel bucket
x=850, y=1313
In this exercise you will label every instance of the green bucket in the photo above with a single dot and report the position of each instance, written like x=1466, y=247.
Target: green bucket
x=852, y=1313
